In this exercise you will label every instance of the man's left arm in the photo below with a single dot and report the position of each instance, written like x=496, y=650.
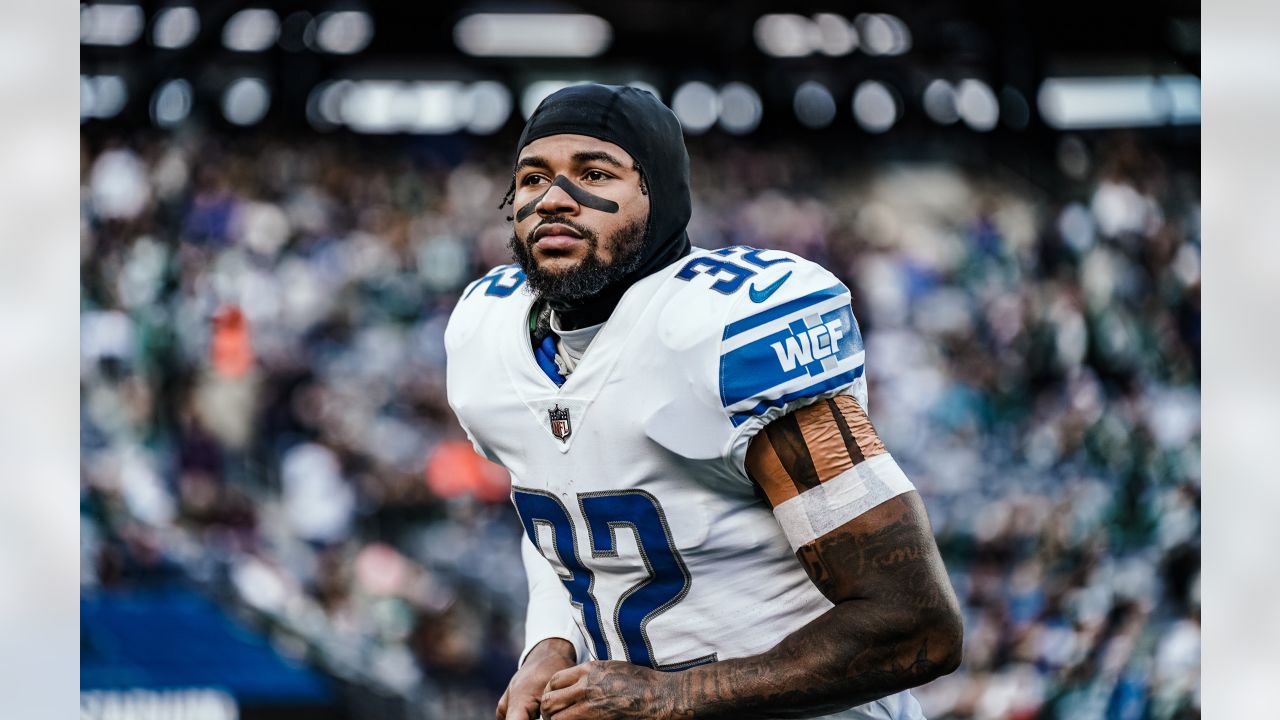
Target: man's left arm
x=865, y=541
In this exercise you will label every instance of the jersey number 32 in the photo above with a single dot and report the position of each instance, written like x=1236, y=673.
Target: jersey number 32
x=606, y=513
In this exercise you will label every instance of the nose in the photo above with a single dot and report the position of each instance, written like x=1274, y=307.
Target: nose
x=557, y=202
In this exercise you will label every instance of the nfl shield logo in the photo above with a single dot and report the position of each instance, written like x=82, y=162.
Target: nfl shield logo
x=560, y=423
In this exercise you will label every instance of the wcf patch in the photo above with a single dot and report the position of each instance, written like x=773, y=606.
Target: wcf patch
x=806, y=347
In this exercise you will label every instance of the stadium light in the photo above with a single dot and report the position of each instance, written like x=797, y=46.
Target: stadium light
x=342, y=33
x=370, y=106
x=102, y=96
x=835, y=35
x=1132, y=101
x=245, y=101
x=175, y=27
x=532, y=35
x=814, y=105
x=740, y=108
x=171, y=103
x=902, y=39
x=1184, y=97
x=697, y=105
x=324, y=103
x=251, y=30
x=425, y=106
x=791, y=35
x=115, y=25
x=430, y=107
x=883, y=34
x=86, y=98
x=977, y=105
x=782, y=35
x=484, y=107
x=874, y=107
x=940, y=102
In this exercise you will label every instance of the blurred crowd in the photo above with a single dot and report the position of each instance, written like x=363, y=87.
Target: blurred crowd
x=263, y=406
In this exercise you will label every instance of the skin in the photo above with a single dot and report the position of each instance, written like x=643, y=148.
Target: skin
x=596, y=166
x=522, y=699
x=895, y=625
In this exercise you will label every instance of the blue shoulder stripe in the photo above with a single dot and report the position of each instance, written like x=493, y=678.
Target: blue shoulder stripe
x=830, y=383
x=740, y=326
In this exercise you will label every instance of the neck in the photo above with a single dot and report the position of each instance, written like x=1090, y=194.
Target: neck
x=591, y=311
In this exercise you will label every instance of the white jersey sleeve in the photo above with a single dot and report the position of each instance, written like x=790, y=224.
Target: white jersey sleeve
x=549, y=614
x=790, y=340
x=747, y=336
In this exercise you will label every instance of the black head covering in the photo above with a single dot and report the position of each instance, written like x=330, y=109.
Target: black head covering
x=639, y=123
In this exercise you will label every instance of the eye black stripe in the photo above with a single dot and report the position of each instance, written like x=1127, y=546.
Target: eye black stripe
x=582, y=197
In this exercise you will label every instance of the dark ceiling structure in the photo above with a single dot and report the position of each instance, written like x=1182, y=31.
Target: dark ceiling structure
x=870, y=73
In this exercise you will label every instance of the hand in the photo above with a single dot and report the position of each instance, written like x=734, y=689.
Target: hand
x=522, y=698
x=608, y=690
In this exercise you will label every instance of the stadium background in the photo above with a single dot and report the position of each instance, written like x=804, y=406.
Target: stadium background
x=279, y=517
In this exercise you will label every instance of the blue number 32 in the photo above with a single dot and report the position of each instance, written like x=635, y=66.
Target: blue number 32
x=605, y=513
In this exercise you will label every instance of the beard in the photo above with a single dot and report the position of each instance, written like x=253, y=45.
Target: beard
x=591, y=274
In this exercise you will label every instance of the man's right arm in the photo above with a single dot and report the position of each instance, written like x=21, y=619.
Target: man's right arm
x=549, y=614
x=553, y=641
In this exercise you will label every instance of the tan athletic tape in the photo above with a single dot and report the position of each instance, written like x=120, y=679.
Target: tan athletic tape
x=826, y=444
x=859, y=426
x=766, y=470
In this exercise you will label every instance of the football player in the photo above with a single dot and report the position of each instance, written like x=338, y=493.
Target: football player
x=712, y=526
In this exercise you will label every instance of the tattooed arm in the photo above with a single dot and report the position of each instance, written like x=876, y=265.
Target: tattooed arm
x=895, y=625
x=896, y=622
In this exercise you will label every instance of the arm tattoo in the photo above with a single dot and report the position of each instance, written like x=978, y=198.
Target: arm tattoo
x=818, y=570
x=895, y=625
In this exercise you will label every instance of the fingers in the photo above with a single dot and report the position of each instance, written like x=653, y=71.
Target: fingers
x=563, y=690
x=517, y=706
x=526, y=710
x=557, y=701
x=567, y=677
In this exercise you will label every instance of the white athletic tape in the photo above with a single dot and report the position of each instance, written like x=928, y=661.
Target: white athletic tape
x=819, y=510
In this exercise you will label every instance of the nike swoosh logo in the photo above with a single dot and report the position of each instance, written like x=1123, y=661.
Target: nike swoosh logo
x=759, y=296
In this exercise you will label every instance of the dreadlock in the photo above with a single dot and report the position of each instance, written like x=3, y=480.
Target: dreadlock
x=510, y=197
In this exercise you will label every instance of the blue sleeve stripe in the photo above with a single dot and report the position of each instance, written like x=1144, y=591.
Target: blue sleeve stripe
x=740, y=326
x=830, y=383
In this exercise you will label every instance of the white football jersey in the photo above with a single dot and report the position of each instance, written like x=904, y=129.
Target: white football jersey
x=629, y=477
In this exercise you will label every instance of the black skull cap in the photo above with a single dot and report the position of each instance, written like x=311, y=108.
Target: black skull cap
x=636, y=121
